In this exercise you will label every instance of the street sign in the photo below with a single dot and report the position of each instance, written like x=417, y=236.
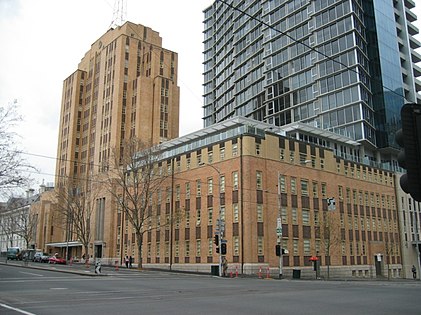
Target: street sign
x=331, y=204
x=279, y=231
x=279, y=223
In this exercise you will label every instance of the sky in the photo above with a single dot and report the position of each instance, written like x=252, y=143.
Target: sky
x=42, y=42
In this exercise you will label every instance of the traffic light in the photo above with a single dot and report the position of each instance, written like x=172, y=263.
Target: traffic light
x=216, y=239
x=278, y=250
x=217, y=250
x=409, y=138
x=223, y=249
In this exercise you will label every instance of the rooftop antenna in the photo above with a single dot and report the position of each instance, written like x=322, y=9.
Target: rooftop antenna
x=119, y=13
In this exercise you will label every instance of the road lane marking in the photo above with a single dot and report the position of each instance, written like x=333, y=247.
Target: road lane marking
x=32, y=274
x=58, y=288
x=16, y=309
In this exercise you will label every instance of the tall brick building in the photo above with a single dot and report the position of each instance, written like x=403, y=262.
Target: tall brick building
x=125, y=86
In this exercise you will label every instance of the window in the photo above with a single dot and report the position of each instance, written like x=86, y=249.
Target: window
x=198, y=187
x=235, y=180
x=316, y=218
x=210, y=186
x=294, y=216
x=281, y=154
x=222, y=183
x=293, y=185
x=210, y=246
x=259, y=180
x=284, y=215
x=198, y=248
x=187, y=248
x=222, y=212
x=177, y=192
x=295, y=247
x=199, y=159
x=304, y=187
x=306, y=246
x=210, y=216
x=259, y=213
x=188, y=160
x=236, y=241
x=210, y=157
x=324, y=190
x=315, y=189
x=258, y=149
x=235, y=149
x=187, y=190
x=235, y=212
x=282, y=184
x=306, y=217
x=198, y=217
x=260, y=248
x=341, y=192
x=222, y=153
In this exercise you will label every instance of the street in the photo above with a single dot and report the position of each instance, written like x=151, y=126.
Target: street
x=41, y=291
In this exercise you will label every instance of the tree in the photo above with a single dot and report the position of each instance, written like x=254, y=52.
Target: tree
x=134, y=182
x=25, y=224
x=12, y=165
x=331, y=235
x=76, y=203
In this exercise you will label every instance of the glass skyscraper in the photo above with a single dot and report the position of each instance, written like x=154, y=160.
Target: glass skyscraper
x=343, y=66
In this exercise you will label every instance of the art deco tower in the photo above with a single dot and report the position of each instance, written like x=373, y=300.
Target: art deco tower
x=125, y=86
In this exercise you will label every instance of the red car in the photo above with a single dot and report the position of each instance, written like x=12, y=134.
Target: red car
x=56, y=260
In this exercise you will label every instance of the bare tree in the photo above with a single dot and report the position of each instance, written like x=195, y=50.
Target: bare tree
x=12, y=165
x=390, y=248
x=75, y=208
x=134, y=183
x=7, y=228
x=25, y=224
x=331, y=236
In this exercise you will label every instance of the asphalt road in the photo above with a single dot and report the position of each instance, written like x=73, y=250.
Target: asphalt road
x=40, y=291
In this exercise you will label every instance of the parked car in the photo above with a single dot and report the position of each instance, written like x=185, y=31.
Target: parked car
x=45, y=258
x=14, y=253
x=38, y=256
x=56, y=260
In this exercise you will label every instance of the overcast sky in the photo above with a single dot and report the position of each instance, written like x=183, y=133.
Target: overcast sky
x=42, y=42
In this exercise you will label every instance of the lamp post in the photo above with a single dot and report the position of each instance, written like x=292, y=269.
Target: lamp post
x=220, y=222
x=279, y=220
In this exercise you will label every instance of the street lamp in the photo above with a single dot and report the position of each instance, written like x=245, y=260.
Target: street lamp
x=279, y=220
x=220, y=223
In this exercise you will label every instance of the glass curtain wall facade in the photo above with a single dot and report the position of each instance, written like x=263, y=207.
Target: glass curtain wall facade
x=283, y=61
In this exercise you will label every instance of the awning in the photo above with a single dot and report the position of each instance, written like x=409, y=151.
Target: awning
x=65, y=244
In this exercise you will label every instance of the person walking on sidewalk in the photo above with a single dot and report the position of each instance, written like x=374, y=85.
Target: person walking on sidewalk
x=130, y=261
x=414, y=272
x=126, y=260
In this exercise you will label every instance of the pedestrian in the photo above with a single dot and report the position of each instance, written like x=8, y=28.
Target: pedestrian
x=130, y=261
x=414, y=272
x=126, y=260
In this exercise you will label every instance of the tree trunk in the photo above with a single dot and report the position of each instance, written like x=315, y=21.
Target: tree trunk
x=139, y=256
x=86, y=254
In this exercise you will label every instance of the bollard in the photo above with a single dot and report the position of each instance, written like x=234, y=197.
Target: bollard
x=236, y=271
x=230, y=274
x=260, y=272
x=268, y=273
